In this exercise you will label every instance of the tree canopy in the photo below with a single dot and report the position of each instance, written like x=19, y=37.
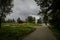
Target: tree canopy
x=30, y=19
x=53, y=5
x=5, y=8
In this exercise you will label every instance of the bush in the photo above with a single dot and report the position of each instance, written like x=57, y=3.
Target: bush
x=39, y=21
x=30, y=19
x=55, y=21
x=55, y=32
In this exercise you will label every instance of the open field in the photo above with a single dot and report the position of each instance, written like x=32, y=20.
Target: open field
x=15, y=31
x=21, y=25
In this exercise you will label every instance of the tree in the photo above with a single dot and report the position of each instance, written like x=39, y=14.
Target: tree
x=5, y=8
x=39, y=20
x=44, y=4
x=30, y=19
x=18, y=20
x=54, y=14
x=55, y=21
x=9, y=20
x=13, y=20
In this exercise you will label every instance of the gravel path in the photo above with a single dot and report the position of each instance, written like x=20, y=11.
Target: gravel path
x=41, y=33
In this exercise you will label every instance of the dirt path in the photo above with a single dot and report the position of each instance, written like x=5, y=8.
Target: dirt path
x=41, y=33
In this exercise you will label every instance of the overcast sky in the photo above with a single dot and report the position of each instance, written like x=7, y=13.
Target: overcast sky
x=23, y=8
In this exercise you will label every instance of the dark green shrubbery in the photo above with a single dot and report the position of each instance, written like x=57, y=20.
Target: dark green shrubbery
x=19, y=20
x=31, y=19
x=56, y=21
x=39, y=21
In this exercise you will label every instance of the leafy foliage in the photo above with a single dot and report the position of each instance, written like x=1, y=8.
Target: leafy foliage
x=47, y=5
x=30, y=19
x=19, y=20
x=5, y=8
x=9, y=21
x=39, y=21
x=55, y=32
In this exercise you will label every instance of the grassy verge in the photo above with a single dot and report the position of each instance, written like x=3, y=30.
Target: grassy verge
x=9, y=32
x=32, y=24
x=23, y=24
x=55, y=32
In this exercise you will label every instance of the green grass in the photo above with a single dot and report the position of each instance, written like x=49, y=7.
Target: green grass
x=32, y=24
x=55, y=32
x=14, y=31
x=24, y=24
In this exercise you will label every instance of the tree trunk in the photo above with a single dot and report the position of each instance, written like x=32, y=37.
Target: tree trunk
x=0, y=22
x=1, y=19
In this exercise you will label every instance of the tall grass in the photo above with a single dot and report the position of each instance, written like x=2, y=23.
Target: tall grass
x=8, y=32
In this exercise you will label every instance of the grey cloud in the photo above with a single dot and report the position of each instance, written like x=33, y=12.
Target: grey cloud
x=23, y=8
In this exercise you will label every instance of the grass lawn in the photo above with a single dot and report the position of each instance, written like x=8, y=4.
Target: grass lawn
x=14, y=31
x=55, y=32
